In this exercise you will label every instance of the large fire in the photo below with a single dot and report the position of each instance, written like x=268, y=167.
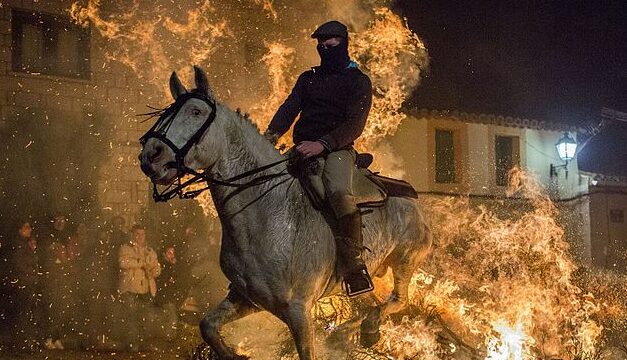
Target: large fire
x=496, y=287
x=503, y=285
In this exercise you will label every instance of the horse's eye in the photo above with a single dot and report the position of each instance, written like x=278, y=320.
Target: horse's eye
x=196, y=112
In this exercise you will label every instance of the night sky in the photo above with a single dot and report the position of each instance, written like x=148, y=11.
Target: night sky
x=547, y=60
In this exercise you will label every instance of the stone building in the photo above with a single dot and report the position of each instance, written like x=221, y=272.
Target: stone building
x=68, y=117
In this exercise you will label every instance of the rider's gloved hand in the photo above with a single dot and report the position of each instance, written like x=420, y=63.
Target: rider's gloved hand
x=272, y=137
x=310, y=148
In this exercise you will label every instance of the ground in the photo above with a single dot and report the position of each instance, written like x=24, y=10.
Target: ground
x=261, y=334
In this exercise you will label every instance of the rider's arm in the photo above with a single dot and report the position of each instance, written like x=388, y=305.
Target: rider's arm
x=357, y=110
x=285, y=116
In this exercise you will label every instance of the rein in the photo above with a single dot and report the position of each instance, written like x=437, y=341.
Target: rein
x=179, y=189
x=160, y=131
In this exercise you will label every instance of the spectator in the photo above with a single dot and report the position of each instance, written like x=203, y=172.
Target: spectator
x=105, y=274
x=169, y=285
x=58, y=232
x=77, y=259
x=79, y=248
x=101, y=281
x=118, y=235
x=60, y=300
x=139, y=268
x=22, y=285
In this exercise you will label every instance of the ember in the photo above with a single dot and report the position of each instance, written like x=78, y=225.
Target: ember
x=500, y=285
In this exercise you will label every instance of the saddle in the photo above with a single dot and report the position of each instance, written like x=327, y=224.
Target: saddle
x=370, y=189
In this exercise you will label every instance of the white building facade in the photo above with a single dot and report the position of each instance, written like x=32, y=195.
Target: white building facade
x=461, y=154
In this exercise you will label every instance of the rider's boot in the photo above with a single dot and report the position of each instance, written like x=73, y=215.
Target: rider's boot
x=350, y=255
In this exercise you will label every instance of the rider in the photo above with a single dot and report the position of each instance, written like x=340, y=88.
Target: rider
x=333, y=100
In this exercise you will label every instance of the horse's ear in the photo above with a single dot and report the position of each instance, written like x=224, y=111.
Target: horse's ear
x=176, y=86
x=202, y=84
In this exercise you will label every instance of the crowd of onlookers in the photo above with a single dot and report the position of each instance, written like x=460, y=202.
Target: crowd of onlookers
x=74, y=285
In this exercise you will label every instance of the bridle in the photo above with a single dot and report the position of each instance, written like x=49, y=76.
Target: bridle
x=166, y=117
x=179, y=188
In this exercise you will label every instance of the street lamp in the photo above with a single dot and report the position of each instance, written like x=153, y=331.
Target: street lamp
x=566, y=149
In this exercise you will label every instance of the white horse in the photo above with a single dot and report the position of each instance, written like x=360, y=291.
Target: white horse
x=277, y=250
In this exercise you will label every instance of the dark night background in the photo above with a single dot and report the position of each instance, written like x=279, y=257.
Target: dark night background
x=547, y=60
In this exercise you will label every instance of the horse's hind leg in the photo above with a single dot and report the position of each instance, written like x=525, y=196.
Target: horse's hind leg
x=298, y=319
x=233, y=307
x=403, y=267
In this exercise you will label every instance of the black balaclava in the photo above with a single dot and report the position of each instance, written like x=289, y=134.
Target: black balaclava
x=334, y=58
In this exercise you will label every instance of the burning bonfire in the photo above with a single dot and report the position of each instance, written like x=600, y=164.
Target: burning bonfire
x=499, y=284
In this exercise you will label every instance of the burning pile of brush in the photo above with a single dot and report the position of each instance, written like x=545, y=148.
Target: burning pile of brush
x=504, y=287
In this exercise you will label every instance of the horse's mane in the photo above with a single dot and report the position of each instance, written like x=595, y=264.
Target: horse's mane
x=250, y=129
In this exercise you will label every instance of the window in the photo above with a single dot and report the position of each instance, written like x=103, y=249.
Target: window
x=49, y=44
x=506, y=157
x=444, y=156
x=617, y=216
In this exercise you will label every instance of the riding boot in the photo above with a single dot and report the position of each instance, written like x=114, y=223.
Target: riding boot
x=351, y=265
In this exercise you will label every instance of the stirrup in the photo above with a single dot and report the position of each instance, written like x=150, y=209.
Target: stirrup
x=350, y=292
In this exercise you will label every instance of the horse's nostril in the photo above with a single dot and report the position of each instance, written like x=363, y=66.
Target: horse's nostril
x=156, y=153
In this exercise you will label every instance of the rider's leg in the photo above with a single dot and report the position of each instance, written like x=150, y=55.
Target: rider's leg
x=233, y=307
x=338, y=182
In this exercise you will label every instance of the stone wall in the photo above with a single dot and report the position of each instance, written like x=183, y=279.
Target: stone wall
x=107, y=102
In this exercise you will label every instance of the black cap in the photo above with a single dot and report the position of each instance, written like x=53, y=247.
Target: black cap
x=331, y=29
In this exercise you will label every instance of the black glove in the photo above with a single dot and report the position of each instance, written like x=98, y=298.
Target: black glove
x=272, y=137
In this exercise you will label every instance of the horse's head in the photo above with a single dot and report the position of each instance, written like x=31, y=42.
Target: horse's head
x=173, y=143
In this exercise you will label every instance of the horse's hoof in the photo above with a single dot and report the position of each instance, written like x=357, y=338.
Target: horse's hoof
x=205, y=352
x=369, y=328
x=369, y=339
x=337, y=338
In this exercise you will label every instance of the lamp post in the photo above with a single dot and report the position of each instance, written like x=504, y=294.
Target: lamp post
x=566, y=149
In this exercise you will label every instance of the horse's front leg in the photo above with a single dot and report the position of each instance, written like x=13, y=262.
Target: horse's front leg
x=298, y=320
x=233, y=307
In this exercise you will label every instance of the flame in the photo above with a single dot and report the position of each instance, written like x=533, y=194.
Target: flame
x=394, y=58
x=278, y=58
x=138, y=40
x=269, y=8
x=502, y=284
x=411, y=340
x=510, y=343
x=507, y=280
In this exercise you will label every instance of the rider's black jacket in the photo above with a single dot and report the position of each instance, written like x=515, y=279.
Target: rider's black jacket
x=333, y=107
